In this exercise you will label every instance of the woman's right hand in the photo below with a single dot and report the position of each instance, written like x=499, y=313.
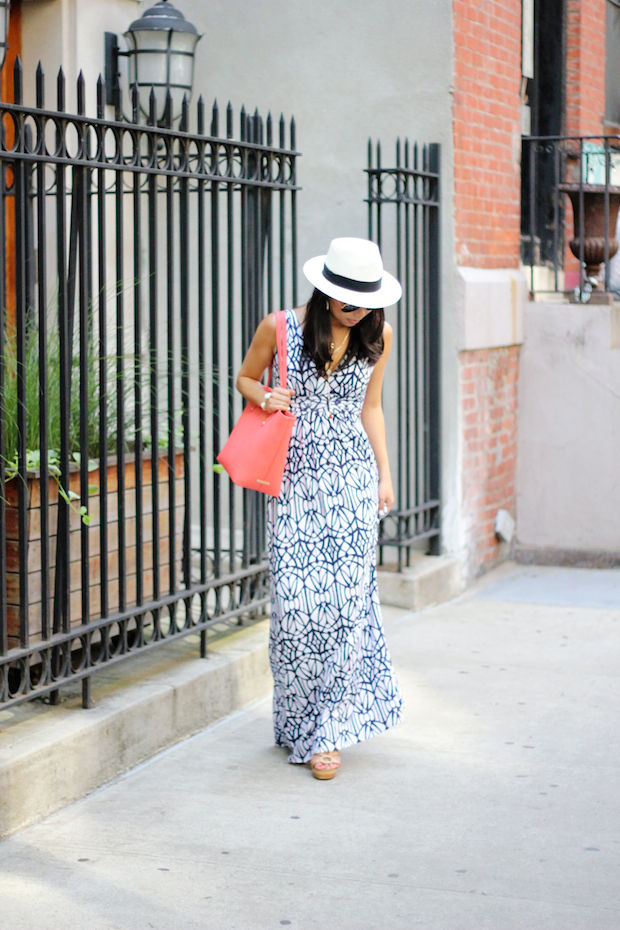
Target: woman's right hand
x=278, y=399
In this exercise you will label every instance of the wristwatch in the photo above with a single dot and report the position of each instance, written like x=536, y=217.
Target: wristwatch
x=264, y=401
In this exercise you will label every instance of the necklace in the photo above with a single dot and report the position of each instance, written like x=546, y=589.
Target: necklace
x=335, y=351
x=331, y=345
x=329, y=369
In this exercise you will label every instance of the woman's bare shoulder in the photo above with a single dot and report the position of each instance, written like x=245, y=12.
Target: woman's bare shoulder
x=265, y=334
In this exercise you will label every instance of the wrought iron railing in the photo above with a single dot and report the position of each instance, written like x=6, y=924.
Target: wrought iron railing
x=137, y=261
x=570, y=195
x=403, y=218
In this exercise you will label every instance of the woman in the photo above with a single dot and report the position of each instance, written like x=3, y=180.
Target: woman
x=334, y=682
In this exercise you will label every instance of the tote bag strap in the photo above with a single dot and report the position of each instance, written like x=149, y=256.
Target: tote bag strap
x=280, y=348
x=281, y=345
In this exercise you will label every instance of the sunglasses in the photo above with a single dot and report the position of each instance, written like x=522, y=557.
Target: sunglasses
x=348, y=308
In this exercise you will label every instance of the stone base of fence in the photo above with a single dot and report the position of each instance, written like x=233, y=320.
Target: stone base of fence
x=52, y=756
x=430, y=580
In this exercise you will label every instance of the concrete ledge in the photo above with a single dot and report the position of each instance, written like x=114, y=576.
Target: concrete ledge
x=51, y=756
x=489, y=306
x=575, y=558
x=431, y=580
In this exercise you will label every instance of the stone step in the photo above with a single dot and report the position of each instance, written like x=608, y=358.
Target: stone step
x=432, y=579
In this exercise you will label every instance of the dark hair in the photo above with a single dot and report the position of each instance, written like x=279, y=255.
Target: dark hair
x=365, y=341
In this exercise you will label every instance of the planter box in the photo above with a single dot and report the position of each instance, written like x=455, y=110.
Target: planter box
x=34, y=542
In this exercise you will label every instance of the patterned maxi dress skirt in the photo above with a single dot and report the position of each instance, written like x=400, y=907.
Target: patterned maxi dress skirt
x=334, y=681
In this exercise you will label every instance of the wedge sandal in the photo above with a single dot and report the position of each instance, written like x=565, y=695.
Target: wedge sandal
x=319, y=762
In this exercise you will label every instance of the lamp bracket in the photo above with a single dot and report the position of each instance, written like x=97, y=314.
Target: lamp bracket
x=111, y=72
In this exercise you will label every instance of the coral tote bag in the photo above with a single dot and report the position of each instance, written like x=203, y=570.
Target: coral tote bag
x=255, y=453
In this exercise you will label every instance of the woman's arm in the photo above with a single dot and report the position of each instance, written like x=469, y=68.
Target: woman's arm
x=374, y=423
x=257, y=360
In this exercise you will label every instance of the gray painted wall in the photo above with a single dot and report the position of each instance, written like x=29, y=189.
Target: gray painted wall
x=568, y=480
x=347, y=71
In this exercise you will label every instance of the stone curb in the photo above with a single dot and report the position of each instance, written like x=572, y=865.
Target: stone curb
x=46, y=764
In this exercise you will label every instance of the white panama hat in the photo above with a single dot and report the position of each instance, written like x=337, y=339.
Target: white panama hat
x=352, y=271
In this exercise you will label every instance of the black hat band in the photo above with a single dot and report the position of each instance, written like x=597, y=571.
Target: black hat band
x=364, y=287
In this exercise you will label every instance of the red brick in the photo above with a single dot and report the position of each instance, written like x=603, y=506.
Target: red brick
x=487, y=73
x=489, y=462
x=585, y=67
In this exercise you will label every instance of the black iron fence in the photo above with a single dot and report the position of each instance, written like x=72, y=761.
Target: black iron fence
x=403, y=218
x=570, y=195
x=137, y=261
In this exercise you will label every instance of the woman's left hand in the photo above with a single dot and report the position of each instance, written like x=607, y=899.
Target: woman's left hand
x=386, y=496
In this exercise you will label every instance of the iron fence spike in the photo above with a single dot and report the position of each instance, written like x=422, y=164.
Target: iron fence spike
x=135, y=103
x=200, y=115
x=118, y=101
x=184, y=126
x=18, y=88
x=60, y=90
x=229, y=120
x=100, y=97
x=40, y=91
x=81, y=94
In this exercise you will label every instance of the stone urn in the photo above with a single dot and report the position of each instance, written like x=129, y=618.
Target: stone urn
x=593, y=223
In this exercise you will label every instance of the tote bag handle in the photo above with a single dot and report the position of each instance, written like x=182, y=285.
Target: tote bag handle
x=280, y=348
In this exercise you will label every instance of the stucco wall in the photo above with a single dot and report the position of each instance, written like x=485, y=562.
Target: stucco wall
x=70, y=33
x=346, y=71
x=568, y=477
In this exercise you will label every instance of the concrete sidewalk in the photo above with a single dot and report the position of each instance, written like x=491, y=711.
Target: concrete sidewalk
x=495, y=805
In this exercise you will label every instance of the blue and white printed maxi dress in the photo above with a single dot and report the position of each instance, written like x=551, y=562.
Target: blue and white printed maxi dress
x=334, y=681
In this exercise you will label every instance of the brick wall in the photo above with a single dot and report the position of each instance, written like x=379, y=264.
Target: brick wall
x=487, y=149
x=487, y=76
x=585, y=67
x=487, y=79
x=489, y=413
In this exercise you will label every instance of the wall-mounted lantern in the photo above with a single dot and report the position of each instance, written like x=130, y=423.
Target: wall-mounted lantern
x=5, y=12
x=161, y=46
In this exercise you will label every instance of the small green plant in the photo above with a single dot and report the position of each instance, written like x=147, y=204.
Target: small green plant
x=33, y=388
x=33, y=461
x=54, y=403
